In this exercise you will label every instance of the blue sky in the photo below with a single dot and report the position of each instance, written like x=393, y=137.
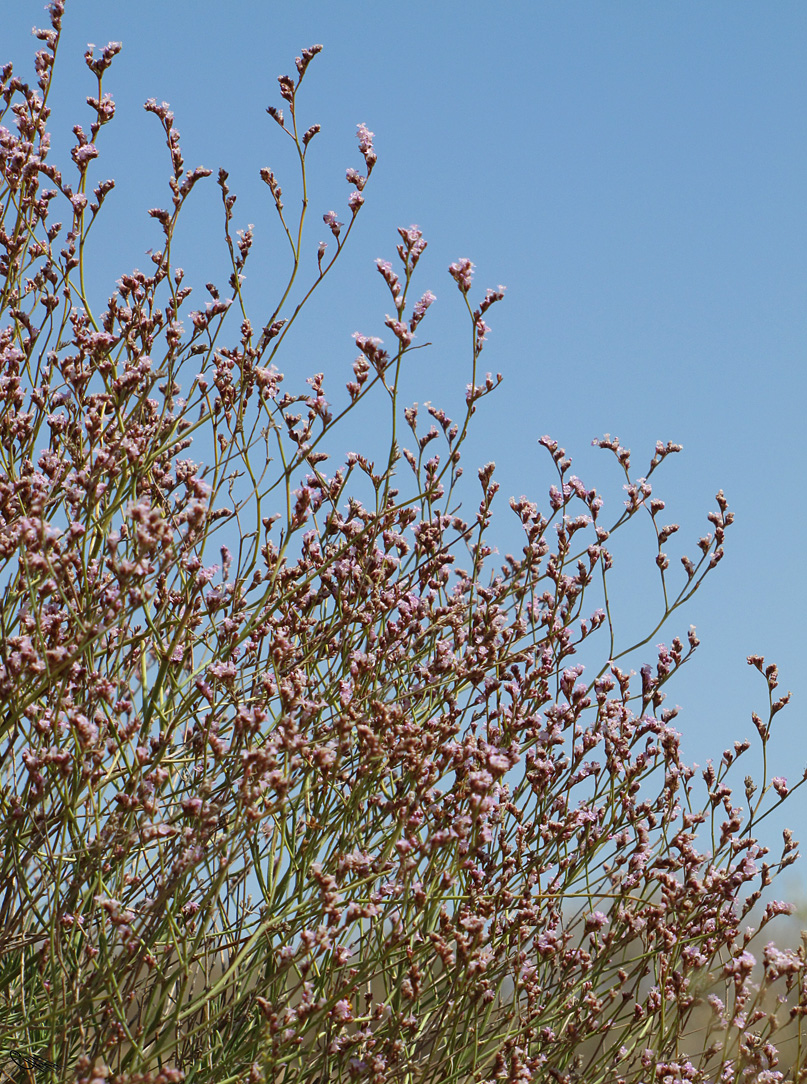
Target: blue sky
x=634, y=174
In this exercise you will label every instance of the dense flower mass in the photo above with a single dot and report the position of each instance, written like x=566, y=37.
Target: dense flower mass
x=479, y=857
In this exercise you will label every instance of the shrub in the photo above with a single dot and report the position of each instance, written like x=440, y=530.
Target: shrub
x=330, y=718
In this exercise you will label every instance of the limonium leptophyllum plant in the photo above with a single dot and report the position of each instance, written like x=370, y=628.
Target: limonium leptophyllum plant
x=473, y=860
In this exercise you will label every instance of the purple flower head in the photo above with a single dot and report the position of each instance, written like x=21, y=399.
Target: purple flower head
x=596, y=920
x=740, y=967
x=330, y=220
x=163, y=110
x=302, y=62
x=400, y=330
x=413, y=246
x=83, y=155
x=779, y=963
x=462, y=272
x=354, y=177
x=50, y=37
x=105, y=107
x=286, y=87
x=491, y=297
x=555, y=498
x=385, y=270
x=99, y=66
x=779, y=784
x=365, y=137
x=372, y=350
x=482, y=331
x=420, y=309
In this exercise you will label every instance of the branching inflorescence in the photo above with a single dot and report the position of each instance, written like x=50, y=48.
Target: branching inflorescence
x=326, y=711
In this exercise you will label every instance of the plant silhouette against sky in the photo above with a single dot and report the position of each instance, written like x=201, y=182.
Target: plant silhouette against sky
x=476, y=860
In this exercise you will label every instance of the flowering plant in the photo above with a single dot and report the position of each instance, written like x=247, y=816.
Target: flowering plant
x=333, y=718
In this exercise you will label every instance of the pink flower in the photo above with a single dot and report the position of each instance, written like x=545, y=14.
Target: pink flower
x=482, y=331
x=354, y=177
x=330, y=220
x=342, y=1011
x=462, y=272
x=419, y=310
x=596, y=920
x=400, y=330
x=365, y=137
x=82, y=156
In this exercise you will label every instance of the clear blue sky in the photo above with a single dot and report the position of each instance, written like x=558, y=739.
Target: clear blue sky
x=635, y=175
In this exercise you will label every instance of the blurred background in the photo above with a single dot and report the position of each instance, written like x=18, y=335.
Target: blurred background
x=633, y=173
